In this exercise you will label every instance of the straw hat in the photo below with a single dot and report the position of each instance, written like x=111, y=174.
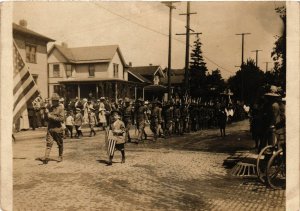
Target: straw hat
x=273, y=92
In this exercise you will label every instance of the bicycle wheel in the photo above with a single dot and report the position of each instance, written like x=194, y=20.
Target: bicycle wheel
x=262, y=161
x=276, y=176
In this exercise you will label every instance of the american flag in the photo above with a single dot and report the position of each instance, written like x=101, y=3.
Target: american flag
x=25, y=89
x=110, y=143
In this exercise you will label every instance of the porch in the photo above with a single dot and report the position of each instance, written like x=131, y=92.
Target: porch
x=111, y=88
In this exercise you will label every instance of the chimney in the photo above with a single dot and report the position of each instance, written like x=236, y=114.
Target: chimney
x=150, y=64
x=130, y=64
x=23, y=23
x=64, y=44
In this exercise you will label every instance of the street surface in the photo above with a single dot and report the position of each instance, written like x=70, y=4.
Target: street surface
x=180, y=173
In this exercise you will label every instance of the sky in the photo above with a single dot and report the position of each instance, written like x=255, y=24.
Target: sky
x=141, y=29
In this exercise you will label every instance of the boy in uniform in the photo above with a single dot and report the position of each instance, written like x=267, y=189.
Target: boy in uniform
x=116, y=138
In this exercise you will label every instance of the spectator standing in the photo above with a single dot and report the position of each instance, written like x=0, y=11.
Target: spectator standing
x=127, y=117
x=70, y=123
x=78, y=121
x=140, y=119
x=92, y=121
x=222, y=118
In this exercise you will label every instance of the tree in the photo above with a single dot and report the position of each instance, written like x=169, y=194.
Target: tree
x=198, y=70
x=215, y=81
x=247, y=82
x=279, y=53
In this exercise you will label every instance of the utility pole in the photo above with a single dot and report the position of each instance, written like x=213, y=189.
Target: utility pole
x=267, y=65
x=187, y=47
x=171, y=7
x=242, y=81
x=256, y=61
x=243, y=34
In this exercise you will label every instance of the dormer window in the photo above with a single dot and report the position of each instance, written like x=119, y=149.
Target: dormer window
x=56, y=71
x=68, y=70
x=116, y=70
x=156, y=80
x=30, y=53
x=91, y=70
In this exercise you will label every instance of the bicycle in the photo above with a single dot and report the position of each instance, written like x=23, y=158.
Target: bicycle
x=276, y=170
x=270, y=164
x=263, y=158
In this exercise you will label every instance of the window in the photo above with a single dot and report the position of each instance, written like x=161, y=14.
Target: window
x=69, y=70
x=116, y=70
x=156, y=80
x=30, y=53
x=56, y=72
x=91, y=70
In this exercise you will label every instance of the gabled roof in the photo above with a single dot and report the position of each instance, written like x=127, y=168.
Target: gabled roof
x=146, y=70
x=90, y=54
x=139, y=77
x=175, y=72
x=24, y=30
x=175, y=79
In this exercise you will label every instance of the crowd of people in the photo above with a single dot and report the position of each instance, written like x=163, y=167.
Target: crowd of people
x=117, y=118
x=164, y=118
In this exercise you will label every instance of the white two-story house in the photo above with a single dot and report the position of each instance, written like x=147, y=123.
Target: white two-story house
x=99, y=70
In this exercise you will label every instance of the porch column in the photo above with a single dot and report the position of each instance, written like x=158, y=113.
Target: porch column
x=78, y=91
x=134, y=92
x=143, y=93
x=97, y=91
x=116, y=92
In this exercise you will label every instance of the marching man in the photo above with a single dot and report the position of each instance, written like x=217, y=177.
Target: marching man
x=116, y=138
x=55, y=129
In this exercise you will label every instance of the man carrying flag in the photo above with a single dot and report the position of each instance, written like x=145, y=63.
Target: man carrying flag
x=55, y=129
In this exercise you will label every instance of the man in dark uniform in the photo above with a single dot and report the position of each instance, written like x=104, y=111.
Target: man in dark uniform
x=154, y=121
x=177, y=119
x=169, y=119
x=127, y=113
x=96, y=107
x=186, y=118
x=55, y=130
x=141, y=119
x=194, y=115
x=32, y=116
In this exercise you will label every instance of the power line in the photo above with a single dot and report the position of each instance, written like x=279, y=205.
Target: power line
x=155, y=31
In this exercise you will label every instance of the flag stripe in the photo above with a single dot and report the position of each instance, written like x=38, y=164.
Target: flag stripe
x=23, y=106
x=24, y=101
x=111, y=147
x=26, y=90
x=20, y=83
x=19, y=75
x=31, y=95
x=19, y=92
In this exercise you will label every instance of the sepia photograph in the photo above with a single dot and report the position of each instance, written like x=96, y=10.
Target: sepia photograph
x=170, y=105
